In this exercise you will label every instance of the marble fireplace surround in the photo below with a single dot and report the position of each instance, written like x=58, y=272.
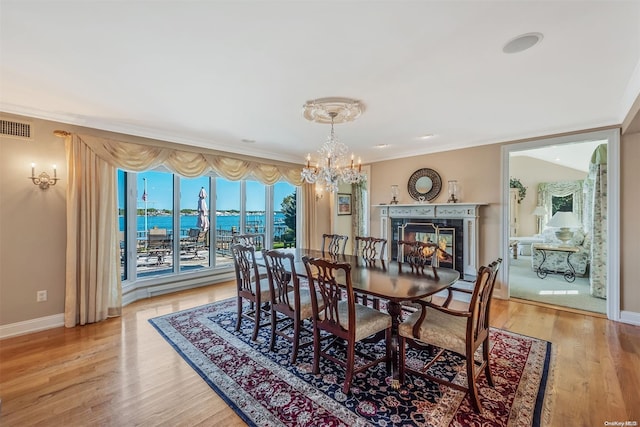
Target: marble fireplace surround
x=469, y=213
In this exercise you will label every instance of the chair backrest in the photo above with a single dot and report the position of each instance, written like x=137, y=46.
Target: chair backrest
x=417, y=254
x=334, y=244
x=244, y=261
x=328, y=280
x=250, y=239
x=157, y=237
x=480, y=305
x=370, y=248
x=282, y=276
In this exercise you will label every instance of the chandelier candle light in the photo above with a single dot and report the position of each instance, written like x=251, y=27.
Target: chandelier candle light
x=334, y=166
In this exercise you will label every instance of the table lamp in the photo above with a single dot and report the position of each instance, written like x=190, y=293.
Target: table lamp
x=540, y=212
x=564, y=221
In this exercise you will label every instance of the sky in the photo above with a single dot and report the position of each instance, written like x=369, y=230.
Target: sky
x=160, y=193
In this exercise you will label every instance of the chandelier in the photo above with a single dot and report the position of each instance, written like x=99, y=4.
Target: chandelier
x=333, y=165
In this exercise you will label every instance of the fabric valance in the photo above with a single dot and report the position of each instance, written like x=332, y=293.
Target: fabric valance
x=137, y=158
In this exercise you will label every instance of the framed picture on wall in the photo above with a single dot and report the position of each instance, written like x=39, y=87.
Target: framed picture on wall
x=344, y=204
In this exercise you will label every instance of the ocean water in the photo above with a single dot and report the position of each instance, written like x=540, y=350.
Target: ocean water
x=223, y=222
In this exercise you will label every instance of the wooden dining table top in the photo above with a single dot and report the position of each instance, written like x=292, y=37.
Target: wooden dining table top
x=383, y=280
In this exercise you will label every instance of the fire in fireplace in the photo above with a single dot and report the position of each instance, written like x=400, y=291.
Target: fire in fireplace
x=447, y=234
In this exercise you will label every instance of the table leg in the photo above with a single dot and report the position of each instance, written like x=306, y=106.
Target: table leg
x=395, y=311
x=570, y=274
x=541, y=271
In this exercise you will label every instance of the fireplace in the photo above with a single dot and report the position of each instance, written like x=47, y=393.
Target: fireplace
x=453, y=226
x=448, y=234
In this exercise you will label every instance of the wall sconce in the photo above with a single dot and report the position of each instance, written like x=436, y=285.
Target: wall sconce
x=453, y=191
x=44, y=180
x=319, y=193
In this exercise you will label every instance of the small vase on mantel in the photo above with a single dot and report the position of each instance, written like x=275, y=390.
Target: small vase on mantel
x=394, y=195
x=453, y=191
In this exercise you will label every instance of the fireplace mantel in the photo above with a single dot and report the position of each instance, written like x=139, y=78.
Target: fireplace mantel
x=468, y=212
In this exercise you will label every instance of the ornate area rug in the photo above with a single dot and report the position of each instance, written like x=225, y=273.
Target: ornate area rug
x=266, y=390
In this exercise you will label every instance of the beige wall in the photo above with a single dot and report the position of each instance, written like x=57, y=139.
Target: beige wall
x=32, y=226
x=630, y=225
x=32, y=221
x=477, y=171
x=531, y=172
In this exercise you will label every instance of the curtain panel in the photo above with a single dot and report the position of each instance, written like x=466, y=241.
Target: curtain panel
x=596, y=195
x=93, y=288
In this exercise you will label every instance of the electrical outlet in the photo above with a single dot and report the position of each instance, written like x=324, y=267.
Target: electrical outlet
x=41, y=296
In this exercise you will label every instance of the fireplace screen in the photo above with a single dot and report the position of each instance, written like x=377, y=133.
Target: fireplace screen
x=446, y=236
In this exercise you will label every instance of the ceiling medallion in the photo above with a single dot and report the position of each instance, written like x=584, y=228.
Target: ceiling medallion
x=320, y=110
x=332, y=166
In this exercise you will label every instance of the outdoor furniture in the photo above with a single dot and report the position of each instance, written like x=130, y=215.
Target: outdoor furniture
x=158, y=244
x=250, y=239
x=195, y=241
x=287, y=298
x=250, y=288
x=347, y=321
x=459, y=331
x=334, y=244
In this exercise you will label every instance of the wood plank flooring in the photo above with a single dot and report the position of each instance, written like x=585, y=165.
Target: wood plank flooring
x=122, y=372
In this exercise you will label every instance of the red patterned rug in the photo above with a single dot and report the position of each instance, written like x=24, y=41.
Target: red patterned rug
x=266, y=390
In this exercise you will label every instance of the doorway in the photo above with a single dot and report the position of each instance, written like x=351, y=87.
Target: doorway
x=524, y=265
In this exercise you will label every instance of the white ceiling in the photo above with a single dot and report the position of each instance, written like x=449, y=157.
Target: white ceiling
x=572, y=155
x=215, y=73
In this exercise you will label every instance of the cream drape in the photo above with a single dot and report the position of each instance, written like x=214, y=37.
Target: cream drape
x=137, y=158
x=93, y=287
x=309, y=231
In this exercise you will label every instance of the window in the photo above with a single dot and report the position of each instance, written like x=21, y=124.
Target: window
x=561, y=204
x=184, y=226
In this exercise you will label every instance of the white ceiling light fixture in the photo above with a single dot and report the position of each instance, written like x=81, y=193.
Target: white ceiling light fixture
x=522, y=42
x=333, y=165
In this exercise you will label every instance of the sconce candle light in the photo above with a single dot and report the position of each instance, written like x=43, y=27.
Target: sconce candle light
x=44, y=180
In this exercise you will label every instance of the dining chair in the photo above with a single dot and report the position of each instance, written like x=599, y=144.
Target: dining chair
x=250, y=288
x=459, y=331
x=370, y=249
x=416, y=254
x=334, y=244
x=288, y=299
x=344, y=320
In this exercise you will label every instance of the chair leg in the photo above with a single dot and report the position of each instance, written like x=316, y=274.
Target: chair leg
x=487, y=368
x=272, y=345
x=296, y=339
x=389, y=351
x=239, y=320
x=316, y=349
x=351, y=359
x=402, y=354
x=257, y=314
x=471, y=384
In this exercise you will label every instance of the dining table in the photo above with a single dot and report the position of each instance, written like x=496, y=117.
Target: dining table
x=388, y=281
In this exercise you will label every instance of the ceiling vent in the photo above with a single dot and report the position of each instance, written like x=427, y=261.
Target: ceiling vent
x=19, y=130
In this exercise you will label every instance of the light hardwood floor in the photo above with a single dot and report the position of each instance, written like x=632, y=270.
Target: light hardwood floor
x=121, y=372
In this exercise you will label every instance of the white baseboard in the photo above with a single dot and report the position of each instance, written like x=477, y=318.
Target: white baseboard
x=630, y=317
x=32, y=325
